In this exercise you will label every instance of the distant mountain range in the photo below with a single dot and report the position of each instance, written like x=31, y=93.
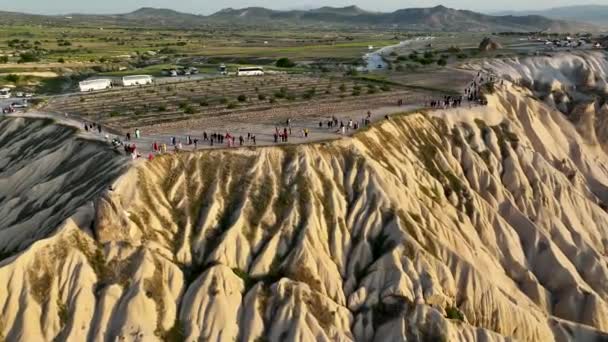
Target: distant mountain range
x=593, y=14
x=437, y=18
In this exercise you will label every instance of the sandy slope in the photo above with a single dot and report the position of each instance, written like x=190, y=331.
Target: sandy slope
x=575, y=83
x=46, y=172
x=483, y=225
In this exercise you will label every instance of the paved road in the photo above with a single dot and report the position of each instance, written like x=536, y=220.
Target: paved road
x=6, y=102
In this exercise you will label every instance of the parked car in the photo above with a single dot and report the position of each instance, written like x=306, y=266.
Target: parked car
x=223, y=69
x=19, y=105
x=23, y=94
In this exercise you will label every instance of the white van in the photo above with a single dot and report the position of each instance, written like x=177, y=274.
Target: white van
x=5, y=93
x=250, y=71
x=129, y=81
x=92, y=85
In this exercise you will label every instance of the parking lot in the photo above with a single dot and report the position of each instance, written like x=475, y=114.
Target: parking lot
x=6, y=103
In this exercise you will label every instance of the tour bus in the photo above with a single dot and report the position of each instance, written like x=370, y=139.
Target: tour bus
x=250, y=71
x=5, y=93
x=129, y=81
x=92, y=85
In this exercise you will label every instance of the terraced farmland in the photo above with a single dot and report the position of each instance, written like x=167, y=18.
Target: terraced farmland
x=126, y=108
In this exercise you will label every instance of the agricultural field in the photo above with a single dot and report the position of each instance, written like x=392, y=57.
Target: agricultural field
x=52, y=59
x=321, y=74
x=106, y=45
x=125, y=108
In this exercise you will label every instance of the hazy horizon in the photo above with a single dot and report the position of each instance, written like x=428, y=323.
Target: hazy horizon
x=191, y=6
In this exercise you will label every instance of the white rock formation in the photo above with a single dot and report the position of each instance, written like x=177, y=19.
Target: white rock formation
x=483, y=224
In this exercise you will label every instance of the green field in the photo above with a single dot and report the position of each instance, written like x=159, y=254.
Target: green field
x=92, y=44
x=75, y=53
x=79, y=52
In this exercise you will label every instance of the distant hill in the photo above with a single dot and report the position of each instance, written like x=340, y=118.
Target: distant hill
x=155, y=13
x=145, y=16
x=324, y=14
x=593, y=14
x=350, y=10
x=437, y=18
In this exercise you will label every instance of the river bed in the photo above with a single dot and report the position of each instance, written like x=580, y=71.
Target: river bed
x=374, y=61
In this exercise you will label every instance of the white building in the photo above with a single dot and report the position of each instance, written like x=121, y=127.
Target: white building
x=250, y=71
x=98, y=84
x=129, y=81
x=5, y=93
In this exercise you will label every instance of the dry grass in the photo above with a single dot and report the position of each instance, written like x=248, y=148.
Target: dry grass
x=264, y=297
x=325, y=317
x=40, y=279
x=154, y=288
x=42, y=271
x=112, y=272
x=453, y=312
x=378, y=152
x=261, y=200
x=303, y=275
x=63, y=313
x=93, y=253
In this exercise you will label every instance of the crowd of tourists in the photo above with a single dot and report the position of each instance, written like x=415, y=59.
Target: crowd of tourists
x=343, y=127
x=282, y=134
x=211, y=139
x=446, y=102
x=473, y=94
x=129, y=148
x=177, y=144
x=92, y=127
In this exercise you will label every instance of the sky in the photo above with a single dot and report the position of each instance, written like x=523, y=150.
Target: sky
x=208, y=7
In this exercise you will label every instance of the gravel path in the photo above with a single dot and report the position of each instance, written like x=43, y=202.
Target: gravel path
x=264, y=132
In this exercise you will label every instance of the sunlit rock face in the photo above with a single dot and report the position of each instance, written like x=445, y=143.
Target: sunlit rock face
x=477, y=224
x=574, y=83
